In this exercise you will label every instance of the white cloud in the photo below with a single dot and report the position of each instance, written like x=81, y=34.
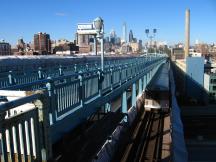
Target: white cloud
x=60, y=14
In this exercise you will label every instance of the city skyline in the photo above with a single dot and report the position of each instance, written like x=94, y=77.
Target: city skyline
x=59, y=18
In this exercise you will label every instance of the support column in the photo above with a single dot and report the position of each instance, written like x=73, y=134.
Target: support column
x=153, y=72
x=3, y=144
x=144, y=82
x=147, y=78
x=150, y=76
x=133, y=95
x=140, y=86
x=124, y=105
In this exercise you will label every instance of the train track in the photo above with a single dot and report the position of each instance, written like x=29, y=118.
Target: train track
x=146, y=139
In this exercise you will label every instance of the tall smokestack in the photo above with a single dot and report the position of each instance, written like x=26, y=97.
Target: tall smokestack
x=187, y=32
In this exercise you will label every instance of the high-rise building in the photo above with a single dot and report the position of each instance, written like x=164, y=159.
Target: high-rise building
x=140, y=45
x=106, y=39
x=131, y=36
x=124, y=36
x=21, y=45
x=134, y=40
x=5, y=48
x=118, y=41
x=42, y=43
x=82, y=39
x=113, y=37
x=84, y=42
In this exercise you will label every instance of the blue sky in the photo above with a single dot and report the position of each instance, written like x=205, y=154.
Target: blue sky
x=23, y=18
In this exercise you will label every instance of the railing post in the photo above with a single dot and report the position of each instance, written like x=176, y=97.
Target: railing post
x=3, y=149
x=81, y=89
x=61, y=71
x=87, y=67
x=75, y=68
x=135, y=68
x=43, y=104
x=96, y=65
x=40, y=74
x=126, y=72
x=100, y=81
x=133, y=94
x=111, y=73
x=110, y=64
x=11, y=78
x=52, y=100
x=120, y=75
x=107, y=107
x=124, y=105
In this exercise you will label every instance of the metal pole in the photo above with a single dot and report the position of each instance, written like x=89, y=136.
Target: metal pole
x=102, y=54
x=102, y=49
x=95, y=45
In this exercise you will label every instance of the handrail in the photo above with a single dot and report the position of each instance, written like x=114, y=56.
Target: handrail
x=43, y=81
x=56, y=67
x=18, y=102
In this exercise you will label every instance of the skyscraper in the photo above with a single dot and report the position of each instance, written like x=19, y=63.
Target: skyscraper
x=113, y=36
x=21, y=45
x=130, y=36
x=124, y=36
x=42, y=43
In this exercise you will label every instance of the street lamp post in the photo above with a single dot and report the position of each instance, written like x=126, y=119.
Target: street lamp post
x=99, y=27
x=95, y=45
x=102, y=49
x=151, y=36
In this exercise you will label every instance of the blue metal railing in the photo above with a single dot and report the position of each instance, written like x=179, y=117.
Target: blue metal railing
x=57, y=103
x=20, y=134
x=21, y=77
x=67, y=96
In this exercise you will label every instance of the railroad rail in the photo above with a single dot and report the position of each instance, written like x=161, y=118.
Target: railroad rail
x=146, y=139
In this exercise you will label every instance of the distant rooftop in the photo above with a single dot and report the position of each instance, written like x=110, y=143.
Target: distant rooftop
x=3, y=41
